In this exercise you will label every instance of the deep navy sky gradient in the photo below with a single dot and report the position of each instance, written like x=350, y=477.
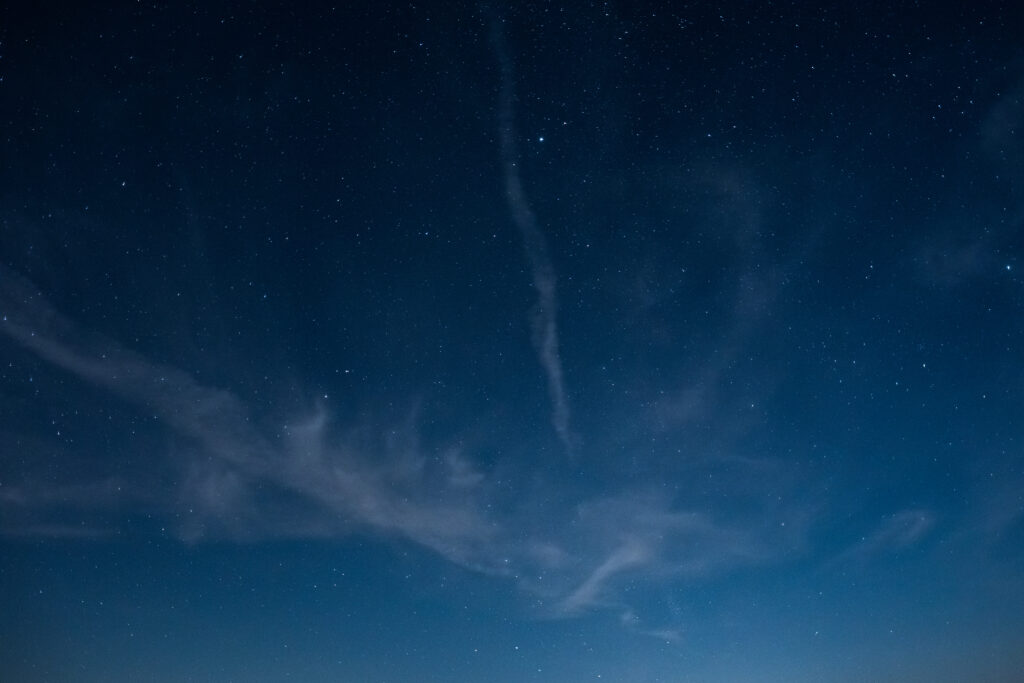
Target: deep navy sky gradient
x=526, y=342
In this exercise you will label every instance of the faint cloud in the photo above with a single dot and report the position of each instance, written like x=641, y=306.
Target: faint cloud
x=734, y=216
x=461, y=472
x=589, y=592
x=896, y=532
x=235, y=472
x=630, y=620
x=235, y=476
x=544, y=317
x=1002, y=130
x=36, y=507
x=640, y=536
x=688, y=404
x=951, y=262
x=56, y=531
x=37, y=494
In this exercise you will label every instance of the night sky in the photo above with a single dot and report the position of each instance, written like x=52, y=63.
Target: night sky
x=512, y=342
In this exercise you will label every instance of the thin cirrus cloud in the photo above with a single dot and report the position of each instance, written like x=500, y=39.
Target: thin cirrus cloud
x=234, y=479
x=629, y=555
x=642, y=534
x=545, y=312
x=895, y=533
x=755, y=283
x=229, y=460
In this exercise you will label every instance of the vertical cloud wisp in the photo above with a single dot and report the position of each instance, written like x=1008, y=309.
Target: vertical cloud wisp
x=544, y=318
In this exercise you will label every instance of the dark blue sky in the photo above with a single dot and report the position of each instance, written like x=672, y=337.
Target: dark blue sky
x=459, y=342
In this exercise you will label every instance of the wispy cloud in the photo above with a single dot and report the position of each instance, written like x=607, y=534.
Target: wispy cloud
x=616, y=540
x=951, y=261
x=589, y=592
x=545, y=313
x=1000, y=129
x=233, y=465
x=31, y=507
x=631, y=620
x=894, y=533
x=239, y=476
x=734, y=215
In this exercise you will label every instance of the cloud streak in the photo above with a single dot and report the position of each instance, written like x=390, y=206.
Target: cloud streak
x=544, y=317
x=228, y=474
x=895, y=533
x=232, y=460
x=589, y=592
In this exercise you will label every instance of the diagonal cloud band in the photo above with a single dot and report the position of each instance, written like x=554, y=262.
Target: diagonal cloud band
x=313, y=480
x=545, y=312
